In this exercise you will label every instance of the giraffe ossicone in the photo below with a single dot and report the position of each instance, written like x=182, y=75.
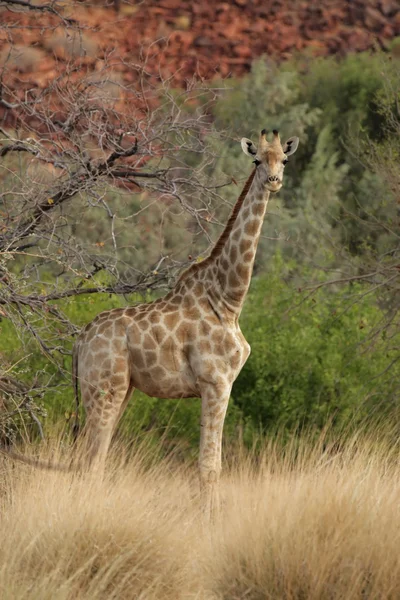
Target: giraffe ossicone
x=188, y=343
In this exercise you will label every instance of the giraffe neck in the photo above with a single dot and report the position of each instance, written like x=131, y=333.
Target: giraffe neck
x=235, y=251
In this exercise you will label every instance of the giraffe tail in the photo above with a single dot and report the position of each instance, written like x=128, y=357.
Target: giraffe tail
x=33, y=462
x=75, y=383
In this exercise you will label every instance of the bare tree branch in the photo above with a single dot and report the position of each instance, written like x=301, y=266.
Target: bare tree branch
x=50, y=8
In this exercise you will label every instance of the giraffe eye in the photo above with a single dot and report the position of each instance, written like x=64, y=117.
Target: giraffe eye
x=285, y=161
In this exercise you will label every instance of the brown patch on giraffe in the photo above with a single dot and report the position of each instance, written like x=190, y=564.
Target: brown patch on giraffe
x=233, y=280
x=245, y=214
x=188, y=302
x=245, y=245
x=248, y=256
x=119, y=365
x=118, y=380
x=144, y=325
x=89, y=361
x=229, y=342
x=168, y=309
x=258, y=209
x=103, y=327
x=154, y=317
x=149, y=342
x=106, y=364
x=198, y=289
x=204, y=328
x=204, y=304
x=236, y=235
x=140, y=317
x=137, y=358
x=119, y=345
x=222, y=279
x=224, y=264
x=221, y=365
x=208, y=368
x=93, y=375
x=103, y=316
x=119, y=328
x=217, y=336
x=233, y=254
x=204, y=346
x=95, y=320
x=243, y=271
x=235, y=360
x=251, y=228
x=212, y=319
x=171, y=320
x=186, y=332
x=167, y=354
x=189, y=283
x=151, y=358
x=218, y=349
x=159, y=333
x=213, y=403
x=91, y=334
x=176, y=300
x=193, y=315
x=158, y=372
x=98, y=344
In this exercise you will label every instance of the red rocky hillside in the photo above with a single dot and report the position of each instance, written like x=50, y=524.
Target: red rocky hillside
x=210, y=39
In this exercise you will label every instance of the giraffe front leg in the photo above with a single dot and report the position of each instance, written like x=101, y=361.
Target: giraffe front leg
x=214, y=403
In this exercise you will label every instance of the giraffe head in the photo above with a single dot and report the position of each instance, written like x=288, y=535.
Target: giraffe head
x=271, y=157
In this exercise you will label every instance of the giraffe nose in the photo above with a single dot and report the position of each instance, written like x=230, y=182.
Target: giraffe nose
x=273, y=179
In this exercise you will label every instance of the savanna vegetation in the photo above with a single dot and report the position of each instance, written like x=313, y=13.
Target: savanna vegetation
x=109, y=187
x=322, y=315
x=309, y=518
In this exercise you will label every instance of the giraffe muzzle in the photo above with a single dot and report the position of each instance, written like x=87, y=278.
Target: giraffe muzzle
x=274, y=183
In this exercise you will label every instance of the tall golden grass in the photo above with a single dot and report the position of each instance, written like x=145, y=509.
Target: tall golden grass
x=308, y=520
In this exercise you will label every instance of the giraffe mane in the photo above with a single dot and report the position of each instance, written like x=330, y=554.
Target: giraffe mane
x=219, y=244
x=216, y=251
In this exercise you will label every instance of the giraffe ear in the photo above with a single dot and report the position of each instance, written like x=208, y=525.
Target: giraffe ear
x=248, y=147
x=290, y=146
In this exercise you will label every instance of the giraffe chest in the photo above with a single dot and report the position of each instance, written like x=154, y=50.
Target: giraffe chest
x=220, y=355
x=169, y=365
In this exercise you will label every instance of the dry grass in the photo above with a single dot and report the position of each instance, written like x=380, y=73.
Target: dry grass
x=306, y=523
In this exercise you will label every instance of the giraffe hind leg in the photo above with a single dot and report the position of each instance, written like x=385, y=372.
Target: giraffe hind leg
x=103, y=413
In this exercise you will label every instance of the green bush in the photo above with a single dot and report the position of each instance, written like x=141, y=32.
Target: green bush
x=307, y=363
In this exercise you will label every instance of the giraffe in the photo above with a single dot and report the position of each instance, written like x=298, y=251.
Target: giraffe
x=188, y=343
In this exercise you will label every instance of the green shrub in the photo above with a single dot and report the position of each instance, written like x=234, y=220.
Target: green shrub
x=307, y=363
